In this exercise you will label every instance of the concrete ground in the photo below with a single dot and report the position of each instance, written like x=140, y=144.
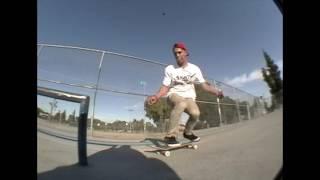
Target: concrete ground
x=249, y=150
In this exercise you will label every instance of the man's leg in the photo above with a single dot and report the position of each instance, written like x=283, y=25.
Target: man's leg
x=179, y=106
x=194, y=113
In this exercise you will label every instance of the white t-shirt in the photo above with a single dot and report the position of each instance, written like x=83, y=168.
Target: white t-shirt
x=181, y=80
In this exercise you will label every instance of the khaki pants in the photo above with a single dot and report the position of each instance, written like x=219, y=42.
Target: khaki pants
x=180, y=105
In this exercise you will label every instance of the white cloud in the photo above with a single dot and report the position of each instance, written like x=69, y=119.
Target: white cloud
x=135, y=106
x=245, y=78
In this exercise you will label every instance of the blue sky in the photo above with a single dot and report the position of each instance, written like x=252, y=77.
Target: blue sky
x=225, y=38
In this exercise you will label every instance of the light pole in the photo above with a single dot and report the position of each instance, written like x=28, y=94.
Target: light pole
x=144, y=83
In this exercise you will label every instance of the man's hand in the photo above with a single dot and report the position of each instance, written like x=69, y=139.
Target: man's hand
x=215, y=91
x=152, y=99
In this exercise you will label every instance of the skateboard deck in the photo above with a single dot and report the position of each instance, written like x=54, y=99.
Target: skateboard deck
x=165, y=150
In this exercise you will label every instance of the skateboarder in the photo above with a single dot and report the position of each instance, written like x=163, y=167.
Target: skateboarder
x=178, y=86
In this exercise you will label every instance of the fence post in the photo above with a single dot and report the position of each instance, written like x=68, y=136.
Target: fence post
x=248, y=110
x=219, y=108
x=259, y=110
x=237, y=103
x=95, y=93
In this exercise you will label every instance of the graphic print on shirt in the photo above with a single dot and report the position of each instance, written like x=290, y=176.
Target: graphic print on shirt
x=184, y=79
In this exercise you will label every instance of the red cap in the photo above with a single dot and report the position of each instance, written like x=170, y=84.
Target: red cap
x=180, y=45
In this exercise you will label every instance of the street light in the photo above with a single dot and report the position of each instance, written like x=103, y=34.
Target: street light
x=143, y=83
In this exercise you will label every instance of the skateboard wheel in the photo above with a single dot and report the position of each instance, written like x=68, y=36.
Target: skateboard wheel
x=195, y=147
x=167, y=153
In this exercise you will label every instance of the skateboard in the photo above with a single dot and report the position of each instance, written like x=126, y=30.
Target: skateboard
x=165, y=150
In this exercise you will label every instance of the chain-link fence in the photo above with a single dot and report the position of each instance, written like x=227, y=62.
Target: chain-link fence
x=118, y=85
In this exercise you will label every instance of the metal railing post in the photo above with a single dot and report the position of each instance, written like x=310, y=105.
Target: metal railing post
x=82, y=132
x=248, y=110
x=237, y=104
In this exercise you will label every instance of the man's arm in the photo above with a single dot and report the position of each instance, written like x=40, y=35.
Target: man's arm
x=209, y=88
x=162, y=91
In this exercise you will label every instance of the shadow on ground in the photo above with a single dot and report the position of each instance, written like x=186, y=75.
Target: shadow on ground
x=279, y=175
x=114, y=163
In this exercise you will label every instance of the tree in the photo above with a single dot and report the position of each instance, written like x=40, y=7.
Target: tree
x=39, y=110
x=150, y=127
x=137, y=126
x=158, y=112
x=72, y=118
x=229, y=112
x=208, y=112
x=271, y=76
x=53, y=106
x=98, y=124
x=243, y=110
x=63, y=116
x=57, y=116
x=118, y=125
